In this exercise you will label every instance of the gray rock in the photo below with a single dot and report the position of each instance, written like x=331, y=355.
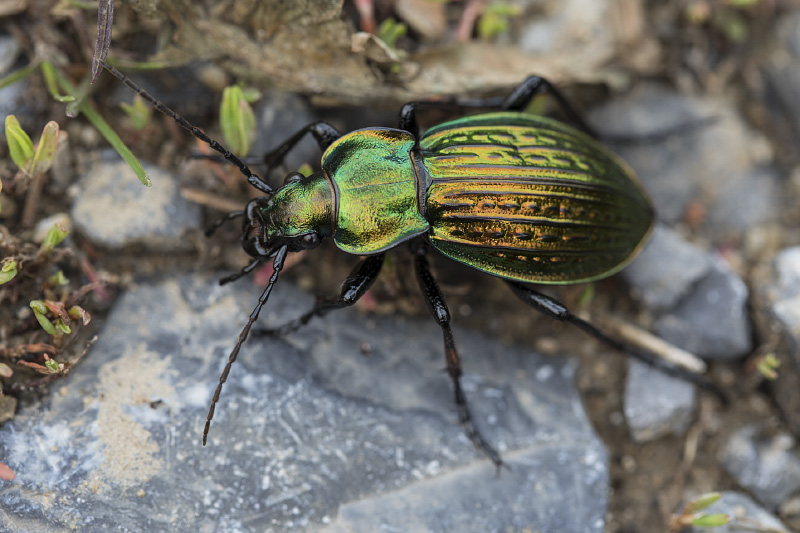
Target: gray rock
x=9, y=52
x=746, y=515
x=767, y=465
x=780, y=299
x=666, y=269
x=280, y=115
x=572, y=27
x=656, y=404
x=782, y=68
x=686, y=167
x=310, y=432
x=114, y=210
x=750, y=199
x=784, y=293
x=712, y=320
x=701, y=304
x=11, y=103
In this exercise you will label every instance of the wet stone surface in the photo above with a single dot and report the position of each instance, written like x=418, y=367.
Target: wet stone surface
x=314, y=432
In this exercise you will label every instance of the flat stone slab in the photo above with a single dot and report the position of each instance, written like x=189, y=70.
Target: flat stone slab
x=347, y=425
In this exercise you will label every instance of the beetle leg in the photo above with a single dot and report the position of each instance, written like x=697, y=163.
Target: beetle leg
x=518, y=100
x=438, y=308
x=556, y=310
x=357, y=283
x=323, y=133
x=222, y=220
x=243, y=272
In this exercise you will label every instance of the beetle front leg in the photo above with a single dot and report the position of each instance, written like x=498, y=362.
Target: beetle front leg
x=357, y=283
x=557, y=311
x=437, y=307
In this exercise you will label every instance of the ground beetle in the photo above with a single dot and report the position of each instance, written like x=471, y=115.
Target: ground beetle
x=526, y=198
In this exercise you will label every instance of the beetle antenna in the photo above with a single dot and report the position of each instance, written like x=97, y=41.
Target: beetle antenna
x=277, y=266
x=252, y=179
x=222, y=220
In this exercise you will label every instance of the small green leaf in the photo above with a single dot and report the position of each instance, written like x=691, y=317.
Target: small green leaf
x=703, y=501
x=237, y=120
x=251, y=95
x=305, y=169
x=75, y=312
x=139, y=112
x=732, y=24
x=495, y=20
x=40, y=309
x=113, y=139
x=587, y=295
x=63, y=326
x=54, y=236
x=105, y=130
x=49, y=73
x=5, y=371
x=711, y=520
x=768, y=366
x=45, y=150
x=390, y=31
x=8, y=271
x=19, y=144
x=57, y=279
x=18, y=75
x=52, y=366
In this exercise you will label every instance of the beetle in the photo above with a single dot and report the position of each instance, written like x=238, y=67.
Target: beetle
x=525, y=198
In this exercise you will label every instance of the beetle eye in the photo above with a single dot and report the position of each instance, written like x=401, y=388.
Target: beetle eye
x=292, y=177
x=310, y=240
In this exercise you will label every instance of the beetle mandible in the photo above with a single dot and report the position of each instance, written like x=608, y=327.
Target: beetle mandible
x=522, y=197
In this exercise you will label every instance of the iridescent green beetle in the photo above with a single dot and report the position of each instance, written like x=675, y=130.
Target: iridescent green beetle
x=518, y=196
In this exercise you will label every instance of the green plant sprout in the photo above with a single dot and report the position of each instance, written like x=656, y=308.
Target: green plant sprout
x=691, y=514
x=62, y=90
x=496, y=20
x=237, y=120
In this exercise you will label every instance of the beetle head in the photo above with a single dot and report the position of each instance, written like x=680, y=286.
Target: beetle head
x=297, y=216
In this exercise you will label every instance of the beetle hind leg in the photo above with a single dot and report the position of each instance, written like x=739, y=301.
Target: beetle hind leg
x=557, y=311
x=437, y=307
x=518, y=100
x=357, y=283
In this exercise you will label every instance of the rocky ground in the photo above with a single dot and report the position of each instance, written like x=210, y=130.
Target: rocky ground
x=348, y=424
